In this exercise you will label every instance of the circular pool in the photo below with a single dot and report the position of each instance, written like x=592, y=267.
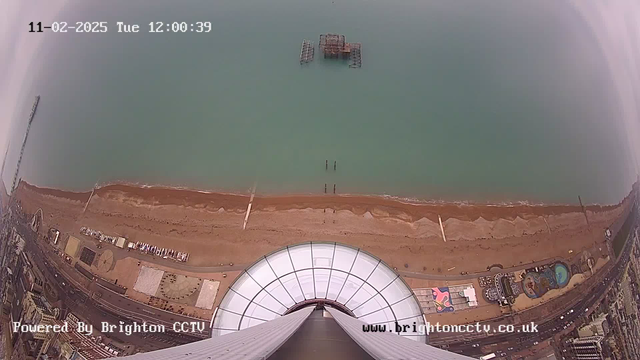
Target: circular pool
x=562, y=274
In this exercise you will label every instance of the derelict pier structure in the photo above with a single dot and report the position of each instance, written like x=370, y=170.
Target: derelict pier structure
x=333, y=46
x=307, y=51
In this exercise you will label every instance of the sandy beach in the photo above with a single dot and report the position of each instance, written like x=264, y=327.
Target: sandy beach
x=405, y=210
x=406, y=236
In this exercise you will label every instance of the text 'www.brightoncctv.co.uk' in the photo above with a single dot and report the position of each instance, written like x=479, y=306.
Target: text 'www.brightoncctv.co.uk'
x=428, y=328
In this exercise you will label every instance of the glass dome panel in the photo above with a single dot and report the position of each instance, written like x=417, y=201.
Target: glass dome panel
x=262, y=273
x=381, y=316
x=335, y=284
x=322, y=282
x=257, y=311
x=364, y=265
x=382, y=277
x=365, y=293
x=280, y=262
x=322, y=255
x=293, y=287
x=396, y=291
x=267, y=300
x=246, y=286
x=227, y=320
x=351, y=285
x=344, y=258
x=307, y=283
x=234, y=302
x=377, y=302
x=406, y=308
x=278, y=291
x=301, y=256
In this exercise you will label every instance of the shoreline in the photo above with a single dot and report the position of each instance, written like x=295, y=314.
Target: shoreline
x=385, y=205
x=210, y=227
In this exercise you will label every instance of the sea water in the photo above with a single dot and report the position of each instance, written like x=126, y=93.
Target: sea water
x=492, y=100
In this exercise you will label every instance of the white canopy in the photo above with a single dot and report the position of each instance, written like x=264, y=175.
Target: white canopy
x=359, y=282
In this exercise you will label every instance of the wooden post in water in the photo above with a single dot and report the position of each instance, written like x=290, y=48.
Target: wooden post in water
x=326, y=164
x=334, y=188
x=325, y=188
x=335, y=163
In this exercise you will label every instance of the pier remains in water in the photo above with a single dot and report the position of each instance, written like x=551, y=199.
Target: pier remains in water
x=333, y=46
x=307, y=52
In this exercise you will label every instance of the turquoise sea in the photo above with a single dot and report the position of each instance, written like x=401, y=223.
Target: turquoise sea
x=485, y=101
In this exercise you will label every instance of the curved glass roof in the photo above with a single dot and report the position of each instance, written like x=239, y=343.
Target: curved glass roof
x=308, y=272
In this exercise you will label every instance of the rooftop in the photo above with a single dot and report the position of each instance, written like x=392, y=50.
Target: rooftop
x=348, y=278
x=41, y=304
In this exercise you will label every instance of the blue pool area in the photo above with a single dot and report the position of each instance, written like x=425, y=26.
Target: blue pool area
x=562, y=275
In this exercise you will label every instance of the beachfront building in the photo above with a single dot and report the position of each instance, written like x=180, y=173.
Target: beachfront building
x=316, y=298
x=587, y=348
x=74, y=345
x=34, y=310
x=37, y=311
x=597, y=327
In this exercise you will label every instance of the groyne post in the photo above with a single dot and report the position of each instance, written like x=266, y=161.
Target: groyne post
x=584, y=211
x=89, y=199
x=545, y=221
x=442, y=229
x=246, y=216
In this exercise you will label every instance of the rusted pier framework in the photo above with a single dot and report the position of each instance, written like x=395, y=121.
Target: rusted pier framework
x=336, y=46
x=355, y=58
x=307, y=51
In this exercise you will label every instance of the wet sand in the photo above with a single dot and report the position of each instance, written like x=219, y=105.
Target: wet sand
x=405, y=235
